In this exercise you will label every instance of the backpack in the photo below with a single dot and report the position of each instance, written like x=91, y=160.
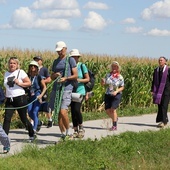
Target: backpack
x=89, y=85
x=2, y=95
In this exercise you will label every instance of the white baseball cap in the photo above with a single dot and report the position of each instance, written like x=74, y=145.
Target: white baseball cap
x=75, y=52
x=60, y=45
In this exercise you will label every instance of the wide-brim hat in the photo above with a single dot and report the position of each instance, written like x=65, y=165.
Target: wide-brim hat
x=34, y=63
x=74, y=52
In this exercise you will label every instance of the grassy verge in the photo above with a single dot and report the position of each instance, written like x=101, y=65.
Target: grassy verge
x=130, y=150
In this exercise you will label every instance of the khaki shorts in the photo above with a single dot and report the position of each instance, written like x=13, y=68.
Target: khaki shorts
x=65, y=102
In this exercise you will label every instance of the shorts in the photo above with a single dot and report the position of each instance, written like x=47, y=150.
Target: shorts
x=44, y=107
x=112, y=101
x=65, y=102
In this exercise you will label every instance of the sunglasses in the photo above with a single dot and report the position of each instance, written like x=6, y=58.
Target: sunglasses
x=32, y=66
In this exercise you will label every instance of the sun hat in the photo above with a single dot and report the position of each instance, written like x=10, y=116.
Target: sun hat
x=60, y=45
x=37, y=58
x=34, y=63
x=75, y=52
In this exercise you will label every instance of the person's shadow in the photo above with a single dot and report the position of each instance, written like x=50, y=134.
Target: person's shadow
x=138, y=124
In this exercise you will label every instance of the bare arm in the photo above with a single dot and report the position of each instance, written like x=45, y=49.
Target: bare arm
x=55, y=75
x=85, y=79
x=26, y=82
x=47, y=80
x=120, y=89
x=44, y=88
x=74, y=75
x=103, y=82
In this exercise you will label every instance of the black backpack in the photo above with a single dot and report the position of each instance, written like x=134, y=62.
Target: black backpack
x=39, y=78
x=89, y=85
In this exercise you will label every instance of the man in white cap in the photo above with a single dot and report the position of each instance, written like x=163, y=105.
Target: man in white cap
x=64, y=87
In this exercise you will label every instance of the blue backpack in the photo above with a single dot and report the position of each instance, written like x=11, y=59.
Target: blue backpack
x=2, y=95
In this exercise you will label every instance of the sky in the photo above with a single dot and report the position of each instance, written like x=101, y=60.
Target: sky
x=138, y=28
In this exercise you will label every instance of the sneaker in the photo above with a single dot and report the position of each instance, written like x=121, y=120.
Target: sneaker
x=75, y=134
x=63, y=136
x=161, y=125
x=40, y=123
x=68, y=137
x=6, y=149
x=32, y=139
x=50, y=124
x=113, y=128
x=81, y=133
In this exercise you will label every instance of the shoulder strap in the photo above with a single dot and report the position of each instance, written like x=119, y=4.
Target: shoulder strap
x=18, y=73
x=66, y=66
x=81, y=66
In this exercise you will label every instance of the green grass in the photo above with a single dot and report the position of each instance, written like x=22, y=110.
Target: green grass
x=127, y=151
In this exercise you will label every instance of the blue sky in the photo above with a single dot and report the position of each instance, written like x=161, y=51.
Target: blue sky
x=138, y=28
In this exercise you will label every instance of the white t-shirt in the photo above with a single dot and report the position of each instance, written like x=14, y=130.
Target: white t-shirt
x=16, y=90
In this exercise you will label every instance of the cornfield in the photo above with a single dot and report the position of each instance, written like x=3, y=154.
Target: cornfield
x=137, y=73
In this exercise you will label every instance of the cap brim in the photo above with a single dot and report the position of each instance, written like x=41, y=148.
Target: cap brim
x=58, y=49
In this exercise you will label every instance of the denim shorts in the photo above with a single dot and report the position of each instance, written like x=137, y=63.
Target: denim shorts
x=112, y=101
x=65, y=102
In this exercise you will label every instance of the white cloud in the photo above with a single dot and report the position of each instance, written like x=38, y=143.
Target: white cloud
x=160, y=9
x=157, y=32
x=129, y=21
x=52, y=24
x=62, y=13
x=94, y=21
x=95, y=5
x=54, y=4
x=23, y=18
x=134, y=29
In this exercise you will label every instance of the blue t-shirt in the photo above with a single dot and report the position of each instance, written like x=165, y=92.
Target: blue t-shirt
x=59, y=66
x=44, y=72
x=81, y=70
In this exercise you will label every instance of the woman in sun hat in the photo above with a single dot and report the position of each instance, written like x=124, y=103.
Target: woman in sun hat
x=114, y=82
x=43, y=72
x=83, y=77
x=35, y=91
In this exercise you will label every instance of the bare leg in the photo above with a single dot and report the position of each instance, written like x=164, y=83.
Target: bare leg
x=64, y=121
x=113, y=115
x=60, y=123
